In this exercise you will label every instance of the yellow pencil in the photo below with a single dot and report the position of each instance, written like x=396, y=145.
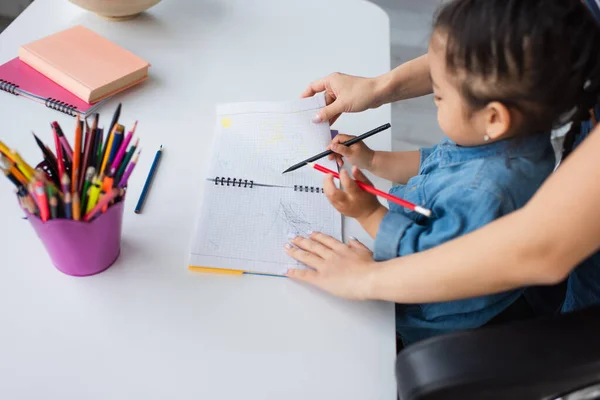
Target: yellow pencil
x=94, y=194
x=109, y=144
x=4, y=149
x=22, y=165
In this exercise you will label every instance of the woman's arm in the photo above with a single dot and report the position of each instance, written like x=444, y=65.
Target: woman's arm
x=408, y=80
x=347, y=93
x=539, y=244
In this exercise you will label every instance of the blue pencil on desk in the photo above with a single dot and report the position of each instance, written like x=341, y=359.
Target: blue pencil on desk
x=146, y=189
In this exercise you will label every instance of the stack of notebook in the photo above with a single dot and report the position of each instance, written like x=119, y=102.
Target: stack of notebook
x=72, y=71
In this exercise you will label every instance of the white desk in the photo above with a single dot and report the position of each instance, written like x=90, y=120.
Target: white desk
x=147, y=328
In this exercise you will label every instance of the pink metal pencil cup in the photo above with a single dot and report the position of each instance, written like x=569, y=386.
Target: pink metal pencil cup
x=80, y=248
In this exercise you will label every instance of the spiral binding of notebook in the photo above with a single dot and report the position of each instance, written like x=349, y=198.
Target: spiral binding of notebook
x=50, y=102
x=9, y=87
x=248, y=183
x=61, y=106
x=225, y=181
x=19, y=79
x=308, y=189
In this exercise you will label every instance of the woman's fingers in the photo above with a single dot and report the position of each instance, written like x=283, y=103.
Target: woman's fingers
x=304, y=275
x=314, y=88
x=328, y=241
x=305, y=257
x=312, y=247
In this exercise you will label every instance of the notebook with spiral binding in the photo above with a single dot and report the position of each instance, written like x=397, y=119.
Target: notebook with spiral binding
x=19, y=79
x=249, y=209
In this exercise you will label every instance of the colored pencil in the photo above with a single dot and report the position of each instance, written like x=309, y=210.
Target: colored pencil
x=59, y=155
x=63, y=140
x=65, y=184
x=107, y=150
x=42, y=200
x=92, y=199
x=122, y=151
x=87, y=155
x=116, y=144
x=107, y=185
x=76, y=205
x=68, y=206
x=149, y=179
x=21, y=164
x=89, y=176
x=348, y=143
x=126, y=160
x=53, y=207
x=76, y=157
x=129, y=170
x=5, y=150
x=12, y=178
x=48, y=157
x=115, y=118
x=99, y=150
x=377, y=192
x=104, y=201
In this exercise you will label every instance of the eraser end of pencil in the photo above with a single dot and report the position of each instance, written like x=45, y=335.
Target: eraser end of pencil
x=423, y=211
x=137, y=211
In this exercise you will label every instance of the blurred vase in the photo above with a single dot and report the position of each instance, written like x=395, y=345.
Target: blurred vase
x=116, y=9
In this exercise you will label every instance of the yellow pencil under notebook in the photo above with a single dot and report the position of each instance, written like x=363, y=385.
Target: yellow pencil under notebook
x=216, y=270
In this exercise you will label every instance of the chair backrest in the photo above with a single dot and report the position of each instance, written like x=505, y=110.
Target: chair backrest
x=542, y=359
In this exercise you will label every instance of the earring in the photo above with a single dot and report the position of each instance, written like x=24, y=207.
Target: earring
x=486, y=138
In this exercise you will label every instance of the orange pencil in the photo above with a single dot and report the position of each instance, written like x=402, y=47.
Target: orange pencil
x=76, y=205
x=107, y=185
x=76, y=156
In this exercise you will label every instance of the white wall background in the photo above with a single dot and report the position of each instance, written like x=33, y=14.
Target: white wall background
x=414, y=122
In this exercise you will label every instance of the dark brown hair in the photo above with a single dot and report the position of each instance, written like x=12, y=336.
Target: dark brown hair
x=540, y=57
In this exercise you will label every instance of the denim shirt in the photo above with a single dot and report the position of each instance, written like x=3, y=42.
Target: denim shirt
x=465, y=188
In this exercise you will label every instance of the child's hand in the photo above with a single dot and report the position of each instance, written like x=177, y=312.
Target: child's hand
x=352, y=201
x=358, y=154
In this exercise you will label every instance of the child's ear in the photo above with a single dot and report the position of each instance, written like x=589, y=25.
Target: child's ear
x=497, y=120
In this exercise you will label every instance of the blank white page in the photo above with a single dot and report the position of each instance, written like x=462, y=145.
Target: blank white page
x=244, y=226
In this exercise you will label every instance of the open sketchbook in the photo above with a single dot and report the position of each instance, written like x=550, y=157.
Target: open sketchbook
x=249, y=209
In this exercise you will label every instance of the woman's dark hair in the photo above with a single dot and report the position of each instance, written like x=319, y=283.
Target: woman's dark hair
x=541, y=57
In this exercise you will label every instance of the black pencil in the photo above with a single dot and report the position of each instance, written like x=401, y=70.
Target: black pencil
x=49, y=157
x=115, y=119
x=328, y=152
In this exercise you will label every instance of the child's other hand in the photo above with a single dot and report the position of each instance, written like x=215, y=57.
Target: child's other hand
x=352, y=201
x=359, y=154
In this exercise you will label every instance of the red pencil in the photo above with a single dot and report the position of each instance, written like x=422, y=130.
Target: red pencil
x=377, y=192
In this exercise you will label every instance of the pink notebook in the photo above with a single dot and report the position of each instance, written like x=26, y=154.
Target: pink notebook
x=20, y=79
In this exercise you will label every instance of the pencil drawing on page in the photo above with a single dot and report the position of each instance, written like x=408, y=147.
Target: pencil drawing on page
x=291, y=217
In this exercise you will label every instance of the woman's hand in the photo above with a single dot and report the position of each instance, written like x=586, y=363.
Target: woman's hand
x=344, y=93
x=344, y=270
x=359, y=154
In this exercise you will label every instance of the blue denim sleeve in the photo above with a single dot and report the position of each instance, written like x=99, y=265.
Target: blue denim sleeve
x=455, y=213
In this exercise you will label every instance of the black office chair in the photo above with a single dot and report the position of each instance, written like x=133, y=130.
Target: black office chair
x=546, y=358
